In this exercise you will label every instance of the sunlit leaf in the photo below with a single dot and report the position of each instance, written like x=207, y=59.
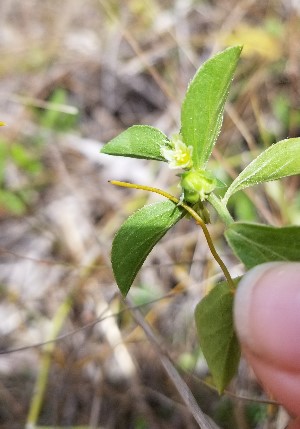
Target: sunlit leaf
x=203, y=106
x=218, y=341
x=138, y=141
x=255, y=244
x=136, y=238
x=279, y=160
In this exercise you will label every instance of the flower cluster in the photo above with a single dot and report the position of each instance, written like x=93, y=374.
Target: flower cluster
x=196, y=184
x=178, y=154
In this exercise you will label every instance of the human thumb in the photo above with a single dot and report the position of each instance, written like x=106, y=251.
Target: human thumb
x=267, y=321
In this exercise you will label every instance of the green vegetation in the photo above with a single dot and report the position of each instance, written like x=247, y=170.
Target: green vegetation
x=201, y=120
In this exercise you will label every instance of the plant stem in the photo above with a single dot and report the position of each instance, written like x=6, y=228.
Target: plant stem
x=196, y=217
x=43, y=375
x=221, y=209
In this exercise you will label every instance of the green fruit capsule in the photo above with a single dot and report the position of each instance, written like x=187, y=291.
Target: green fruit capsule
x=197, y=185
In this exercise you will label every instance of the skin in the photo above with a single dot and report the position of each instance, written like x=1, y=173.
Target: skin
x=267, y=320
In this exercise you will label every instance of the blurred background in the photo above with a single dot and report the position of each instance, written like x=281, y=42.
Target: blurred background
x=74, y=74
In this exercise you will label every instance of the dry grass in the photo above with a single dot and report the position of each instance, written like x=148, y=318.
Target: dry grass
x=122, y=63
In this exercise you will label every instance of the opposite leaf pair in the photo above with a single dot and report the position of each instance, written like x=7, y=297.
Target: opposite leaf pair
x=201, y=119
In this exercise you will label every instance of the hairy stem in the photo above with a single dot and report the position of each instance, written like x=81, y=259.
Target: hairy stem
x=196, y=217
x=220, y=208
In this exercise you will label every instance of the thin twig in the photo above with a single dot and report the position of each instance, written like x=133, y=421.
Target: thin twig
x=203, y=421
x=164, y=87
x=43, y=375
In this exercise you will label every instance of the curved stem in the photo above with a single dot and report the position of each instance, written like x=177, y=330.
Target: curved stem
x=196, y=217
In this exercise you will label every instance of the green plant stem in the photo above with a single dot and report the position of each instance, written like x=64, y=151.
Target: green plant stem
x=41, y=382
x=221, y=209
x=196, y=217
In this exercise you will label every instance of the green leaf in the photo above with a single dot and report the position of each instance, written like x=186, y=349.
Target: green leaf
x=11, y=202
x=218, y=341
x=279, y=160
x=137, y=237
x=24, y=159
x=255, y=244
x=203, y=106
x=59, y=116
x=138, y=141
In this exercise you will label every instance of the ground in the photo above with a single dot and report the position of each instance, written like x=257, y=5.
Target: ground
x=73, y=75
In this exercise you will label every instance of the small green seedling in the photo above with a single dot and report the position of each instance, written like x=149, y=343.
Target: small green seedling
x=189, y=150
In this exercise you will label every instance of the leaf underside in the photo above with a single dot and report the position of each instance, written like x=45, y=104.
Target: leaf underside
x=218, y=341
x=203, y=106
x=279, y=160
x=137, y=237
x=255, y=244
x=138, y=141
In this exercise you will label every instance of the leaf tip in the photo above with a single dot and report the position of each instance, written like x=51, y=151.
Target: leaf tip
x=104, y=149
x=237, y=47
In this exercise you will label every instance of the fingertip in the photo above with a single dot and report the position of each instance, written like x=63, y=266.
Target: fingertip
x=295, y=424
x=244, y=304
x=267, y=321
x=267, y=311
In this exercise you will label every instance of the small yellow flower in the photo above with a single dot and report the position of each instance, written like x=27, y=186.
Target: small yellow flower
x=178, y=155
x=2, y=124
